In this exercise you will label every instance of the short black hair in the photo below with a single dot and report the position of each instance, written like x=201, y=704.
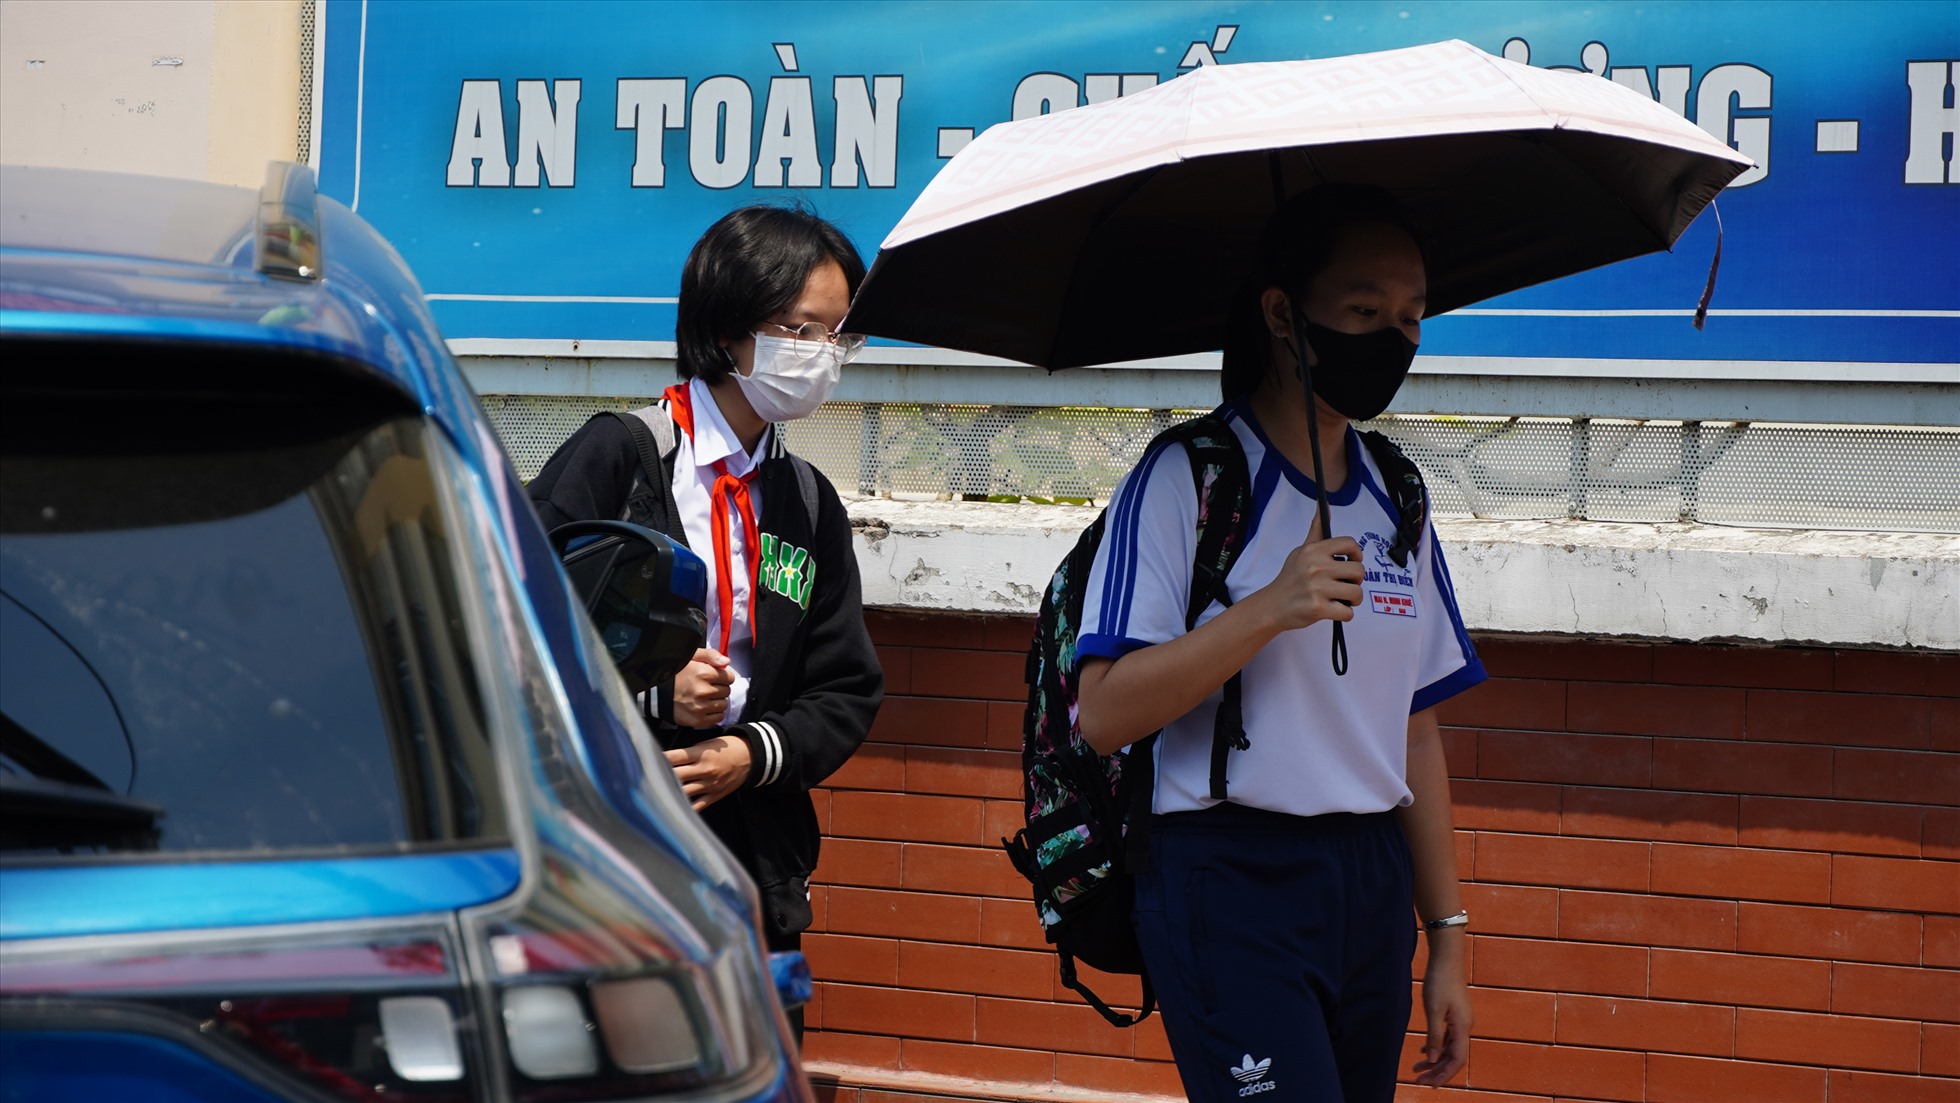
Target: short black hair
x=1298, y=243
x=748, y=266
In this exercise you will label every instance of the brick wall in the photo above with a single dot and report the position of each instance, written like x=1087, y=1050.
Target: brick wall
x=1695, y=872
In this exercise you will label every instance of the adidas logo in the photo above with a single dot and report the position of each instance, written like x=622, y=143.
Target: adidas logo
x=1253, y=1075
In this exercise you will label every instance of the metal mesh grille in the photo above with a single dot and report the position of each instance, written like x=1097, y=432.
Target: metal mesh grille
x=1775, y=476
x=307, y=30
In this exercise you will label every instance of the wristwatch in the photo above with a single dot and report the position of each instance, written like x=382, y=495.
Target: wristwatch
x=1460, y=919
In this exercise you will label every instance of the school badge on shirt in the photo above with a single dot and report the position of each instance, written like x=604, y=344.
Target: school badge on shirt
x=1389, y=587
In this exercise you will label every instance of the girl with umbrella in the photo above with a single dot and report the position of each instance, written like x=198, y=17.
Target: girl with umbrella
x=1276, y=925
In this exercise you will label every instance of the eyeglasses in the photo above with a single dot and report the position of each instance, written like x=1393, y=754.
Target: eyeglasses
x=847, y=343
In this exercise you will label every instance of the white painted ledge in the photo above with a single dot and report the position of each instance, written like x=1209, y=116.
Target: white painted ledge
x=1568, y=578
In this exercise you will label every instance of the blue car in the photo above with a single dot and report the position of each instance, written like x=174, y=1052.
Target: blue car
x=317, y=780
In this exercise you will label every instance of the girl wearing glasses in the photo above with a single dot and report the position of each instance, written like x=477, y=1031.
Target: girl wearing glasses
x=788, y=683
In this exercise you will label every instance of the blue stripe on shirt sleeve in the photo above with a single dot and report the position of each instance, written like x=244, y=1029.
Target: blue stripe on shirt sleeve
x=1102, y=646
x=1127, y=525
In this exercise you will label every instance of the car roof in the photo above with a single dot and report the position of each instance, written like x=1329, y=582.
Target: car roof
x=117, y=256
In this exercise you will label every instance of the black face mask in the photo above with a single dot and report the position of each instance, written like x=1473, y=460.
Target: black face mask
x=1358, y=373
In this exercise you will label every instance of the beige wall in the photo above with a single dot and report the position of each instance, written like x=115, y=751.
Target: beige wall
x=81, y=85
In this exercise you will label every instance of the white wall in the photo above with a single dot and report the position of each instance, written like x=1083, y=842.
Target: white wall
x=89, y=84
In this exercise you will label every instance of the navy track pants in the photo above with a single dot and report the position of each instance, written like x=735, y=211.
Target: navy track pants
x=1279, y=948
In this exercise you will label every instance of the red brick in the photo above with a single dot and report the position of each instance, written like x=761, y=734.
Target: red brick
x=912, y=915
x=963, y=773
x=987, y=675
x=1557, y=860
x=1895, y=884
x=1645, y=1025
x=1512, y=910
x=1621, y=761
x=1004, y=725
x=1710, y=766
x=1940, y=837
x=1689, y=712
x=1150, y=1042
x=820, y=804
x=1508, y=1013
x=963, y=870
x=992, y=1064
x=1408, y=1092
x=1459, y=751
x=1566, y=660
x=1886, y=992
x=1556, y=1070
x=1010, y=923
x=1840, y=719
x=1943, y=725
x=1505, y=806
x=1001, y=819
x=1939, y=1049
x=1841, y=1041
x=930, y=722
x=1899, y=672
x=906, y=818
x=879, y=766
x=1507, y=704
x=1742, y=873
x=1026, y=1024
x=1942, y=945
x=1125, y=1076
x=1745, y=980
x=865, y=863
x=1647, y=814
x=1646, y=920
x=981, y=970
x=862, y=1009
x=897, y=664
x=851, y=959
x=1560, y=966
x=1747, y=667
x=1881, y=1087
x=858, y=1050
x=1832, y=934
x=1836, y=826
x=1007, y=634
x=1672, y=1079
x=819, y=907
x=1905, y=777
x=923, y=630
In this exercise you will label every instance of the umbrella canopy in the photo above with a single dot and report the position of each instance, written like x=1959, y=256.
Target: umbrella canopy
x=1120, y=230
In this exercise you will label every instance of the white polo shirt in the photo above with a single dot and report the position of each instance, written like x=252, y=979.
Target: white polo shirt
x=1320, y=742
x=694, y=481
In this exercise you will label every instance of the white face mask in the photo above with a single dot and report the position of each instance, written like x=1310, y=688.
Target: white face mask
x=791, y=378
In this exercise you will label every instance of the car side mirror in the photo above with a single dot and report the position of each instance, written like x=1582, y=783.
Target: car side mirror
x=644, y=592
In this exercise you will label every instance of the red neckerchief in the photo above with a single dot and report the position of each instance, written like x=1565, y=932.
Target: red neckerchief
x=727, y=487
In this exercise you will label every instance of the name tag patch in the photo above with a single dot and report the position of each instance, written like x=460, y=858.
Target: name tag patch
x=1393, y=604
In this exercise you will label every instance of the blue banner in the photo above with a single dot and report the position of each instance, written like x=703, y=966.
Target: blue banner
x=544, y=165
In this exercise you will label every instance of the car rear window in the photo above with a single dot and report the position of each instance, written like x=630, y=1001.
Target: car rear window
x=213, y=648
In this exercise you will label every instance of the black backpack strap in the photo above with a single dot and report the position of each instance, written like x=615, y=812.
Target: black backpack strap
x=1116, y=1018
x=653, y=435
x=1224, y=484
x=1405, y=488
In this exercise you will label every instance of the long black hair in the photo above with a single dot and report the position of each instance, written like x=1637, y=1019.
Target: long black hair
x=1297, y=245
x=749, y=265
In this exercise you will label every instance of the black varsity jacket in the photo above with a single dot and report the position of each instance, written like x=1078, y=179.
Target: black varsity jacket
x=816, y=682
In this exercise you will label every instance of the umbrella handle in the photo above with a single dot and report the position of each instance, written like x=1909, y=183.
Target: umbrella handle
x=1297, y=341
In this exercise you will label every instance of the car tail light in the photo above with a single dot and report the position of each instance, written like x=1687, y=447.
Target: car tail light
x=383, y=1019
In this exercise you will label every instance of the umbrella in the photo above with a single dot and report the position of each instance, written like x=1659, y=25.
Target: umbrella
x=1119, y=231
